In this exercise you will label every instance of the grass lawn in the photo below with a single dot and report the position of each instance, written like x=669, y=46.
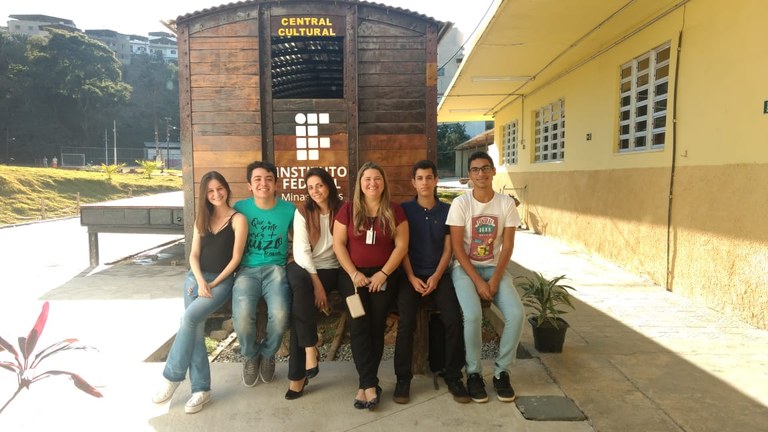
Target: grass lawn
x=25, y=191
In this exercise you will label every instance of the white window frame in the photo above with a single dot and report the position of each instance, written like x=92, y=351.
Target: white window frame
x=643, y=102
x=509, y=140
x=549, y=133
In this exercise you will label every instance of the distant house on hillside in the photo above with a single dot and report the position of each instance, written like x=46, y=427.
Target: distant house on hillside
x=164, y=44
x=35, y=25
x=117, y=42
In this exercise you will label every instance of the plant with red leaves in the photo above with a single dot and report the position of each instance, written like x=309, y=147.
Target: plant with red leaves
x=25, y=369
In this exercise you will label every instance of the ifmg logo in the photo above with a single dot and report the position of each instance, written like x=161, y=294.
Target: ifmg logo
x=308, y=140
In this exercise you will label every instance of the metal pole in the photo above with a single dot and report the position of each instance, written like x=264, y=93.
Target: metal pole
x=167, y=138
x=114, y=133
x=106, y=147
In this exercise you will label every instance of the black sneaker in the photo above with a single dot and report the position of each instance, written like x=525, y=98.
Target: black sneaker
x=402, y=393
x=504, y=390
x=457, y=389
x=476, y=387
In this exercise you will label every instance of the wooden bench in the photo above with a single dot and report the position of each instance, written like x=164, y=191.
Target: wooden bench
x=427, y=308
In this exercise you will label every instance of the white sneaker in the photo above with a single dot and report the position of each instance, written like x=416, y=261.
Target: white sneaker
x=165, y=393
x=196, y=402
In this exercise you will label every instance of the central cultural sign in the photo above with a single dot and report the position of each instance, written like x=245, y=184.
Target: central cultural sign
x=308, y=26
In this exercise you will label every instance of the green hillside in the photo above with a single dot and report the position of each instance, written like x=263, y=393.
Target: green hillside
x=24, y=191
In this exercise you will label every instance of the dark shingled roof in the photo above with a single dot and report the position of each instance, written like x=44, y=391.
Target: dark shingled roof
x=305, y=67
x=210, y=10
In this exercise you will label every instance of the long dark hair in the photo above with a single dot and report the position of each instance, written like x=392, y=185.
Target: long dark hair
x=311, y=211
x=204, y=207
x=333, y=196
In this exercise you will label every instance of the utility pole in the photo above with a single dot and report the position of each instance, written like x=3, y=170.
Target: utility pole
x=114, y=133
x=158, y=155
x=106, y=147
x=167, y=139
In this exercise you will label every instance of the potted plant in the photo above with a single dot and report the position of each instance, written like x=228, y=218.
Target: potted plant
x=547, y=298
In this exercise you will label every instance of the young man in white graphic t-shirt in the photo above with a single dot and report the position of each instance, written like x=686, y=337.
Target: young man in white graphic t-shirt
x=482, y=225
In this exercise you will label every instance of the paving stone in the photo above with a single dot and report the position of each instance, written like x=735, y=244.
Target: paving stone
x=549, y=408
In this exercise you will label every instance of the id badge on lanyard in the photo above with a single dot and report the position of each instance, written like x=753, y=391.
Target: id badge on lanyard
x=370, y=236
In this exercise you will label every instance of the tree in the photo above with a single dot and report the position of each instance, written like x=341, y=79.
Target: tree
x=449, y=135
x=155, y=97
x=13, y=85
x=78, y=72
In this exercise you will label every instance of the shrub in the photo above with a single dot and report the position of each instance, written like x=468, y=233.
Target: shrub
x=149, y=167
x=111, y=169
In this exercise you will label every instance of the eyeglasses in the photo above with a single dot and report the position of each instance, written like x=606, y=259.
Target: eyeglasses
x=485, y=169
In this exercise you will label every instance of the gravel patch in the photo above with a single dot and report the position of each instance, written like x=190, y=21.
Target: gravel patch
x=232, y=354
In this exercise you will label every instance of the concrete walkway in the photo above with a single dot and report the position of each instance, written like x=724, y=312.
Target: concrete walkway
x=637, y=358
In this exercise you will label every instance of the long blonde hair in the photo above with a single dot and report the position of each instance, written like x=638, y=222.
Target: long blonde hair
x=384, y=214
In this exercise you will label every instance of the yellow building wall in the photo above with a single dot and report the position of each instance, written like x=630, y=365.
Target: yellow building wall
x=616, y=205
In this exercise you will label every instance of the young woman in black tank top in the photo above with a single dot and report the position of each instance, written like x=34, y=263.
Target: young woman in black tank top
x=217, y=247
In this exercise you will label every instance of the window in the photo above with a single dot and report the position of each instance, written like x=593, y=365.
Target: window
x=644, y=85
x=307, y=68
x=549, y=132
x=509, y=143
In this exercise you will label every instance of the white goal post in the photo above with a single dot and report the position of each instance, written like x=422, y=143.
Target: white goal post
x=73, y=159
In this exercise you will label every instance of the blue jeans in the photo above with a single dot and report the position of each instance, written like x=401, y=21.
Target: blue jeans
x=251, y=285
x=507, y=300
x=188, y=350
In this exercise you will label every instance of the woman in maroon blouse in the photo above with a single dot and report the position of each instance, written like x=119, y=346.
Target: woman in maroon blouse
x=370, y=239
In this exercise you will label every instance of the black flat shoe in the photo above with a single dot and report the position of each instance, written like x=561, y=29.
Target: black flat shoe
x=360, y=404
x=312, y=372
x=291, y=394
x=371, y=405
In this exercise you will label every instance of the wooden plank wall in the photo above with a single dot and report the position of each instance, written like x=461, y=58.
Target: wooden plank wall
x=283, y=119
x=390, y=114
x=394, y=58
x=225, y=99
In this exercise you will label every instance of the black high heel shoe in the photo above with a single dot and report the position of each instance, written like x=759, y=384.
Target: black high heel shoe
x=291, y=394
x=312, y=372
x=371, y=405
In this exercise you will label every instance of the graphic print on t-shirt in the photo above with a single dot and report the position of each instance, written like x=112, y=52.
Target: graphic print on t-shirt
x=483, y=236
x=264, y=239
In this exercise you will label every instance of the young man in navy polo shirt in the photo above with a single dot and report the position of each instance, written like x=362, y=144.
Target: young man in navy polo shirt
x=429, y=254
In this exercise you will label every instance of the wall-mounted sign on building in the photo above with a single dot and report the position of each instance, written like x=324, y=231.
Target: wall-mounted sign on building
x=308, y=26
x=312, y=147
